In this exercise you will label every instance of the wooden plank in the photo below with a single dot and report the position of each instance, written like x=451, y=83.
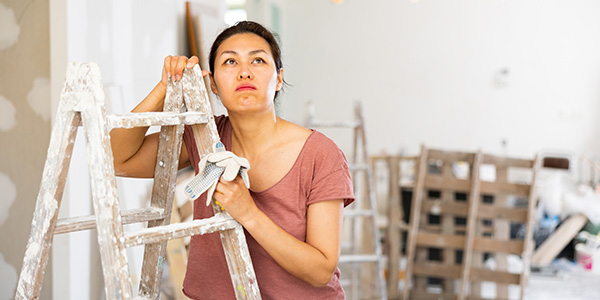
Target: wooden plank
x=163, y=191
x=424, y=295
x=48, y=201
x=137, y=215
x=438, y=182
x=557, y=241
x=439, y=270
x=494, y=212
x=440, y=240
x=90, y=100
x=529, y=245
x=471, y=224
x=450, y=156
x=503, y=161
x=159, y=234
x=394, y=242
x=494, y=276
x=517, y=189
x=415, y=219
x=483, y=244
x=144, y=119
x=445, y=208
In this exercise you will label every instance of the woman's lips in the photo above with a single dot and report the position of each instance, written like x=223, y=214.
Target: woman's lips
x=245, y=87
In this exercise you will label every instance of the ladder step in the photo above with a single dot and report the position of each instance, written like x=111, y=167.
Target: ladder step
x=358, y=167
x=357, y=258
x=334, y=124
x=358, y=213
x=219, y=222
x=155, y=119
x=127, y=217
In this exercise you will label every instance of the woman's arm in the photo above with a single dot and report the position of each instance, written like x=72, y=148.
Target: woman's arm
x=134, y=152
x=313, y=261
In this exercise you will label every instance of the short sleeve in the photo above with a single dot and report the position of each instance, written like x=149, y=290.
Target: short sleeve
x=331, y=177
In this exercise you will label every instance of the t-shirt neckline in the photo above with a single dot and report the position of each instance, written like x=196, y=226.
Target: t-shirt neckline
x=229, y=130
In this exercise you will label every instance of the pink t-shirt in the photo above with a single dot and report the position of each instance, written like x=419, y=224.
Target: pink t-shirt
x=320, y=173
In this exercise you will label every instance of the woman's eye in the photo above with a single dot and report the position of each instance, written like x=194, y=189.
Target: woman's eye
x=229, y=61
x=258, y=60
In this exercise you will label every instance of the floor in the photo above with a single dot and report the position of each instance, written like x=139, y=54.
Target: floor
x=572, y=285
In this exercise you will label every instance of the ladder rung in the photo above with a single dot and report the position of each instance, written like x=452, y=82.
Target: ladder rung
x=357, y=258
x=158, y=234
x=155, y=119
x=358, y=213
x=89, y=222
x=358, y=167
x=337, y=124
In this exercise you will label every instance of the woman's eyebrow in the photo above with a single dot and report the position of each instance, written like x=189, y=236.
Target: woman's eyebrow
x=254, y=52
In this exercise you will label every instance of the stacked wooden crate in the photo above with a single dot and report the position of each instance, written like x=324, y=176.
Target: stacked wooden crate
x=464, y=206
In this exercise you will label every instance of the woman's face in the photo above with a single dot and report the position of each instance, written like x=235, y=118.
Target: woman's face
x=245, y=75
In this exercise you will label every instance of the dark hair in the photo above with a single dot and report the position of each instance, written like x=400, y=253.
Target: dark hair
x=247, y=27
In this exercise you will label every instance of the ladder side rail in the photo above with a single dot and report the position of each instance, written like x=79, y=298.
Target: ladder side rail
x=163, y=192
x=103, y=181
x=234, y=242
x=48, y=200
x=372, y=201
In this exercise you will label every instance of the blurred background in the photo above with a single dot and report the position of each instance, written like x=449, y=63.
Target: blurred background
x=513, y=78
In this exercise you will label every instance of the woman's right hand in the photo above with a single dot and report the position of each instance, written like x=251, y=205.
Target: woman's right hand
x=174, y=65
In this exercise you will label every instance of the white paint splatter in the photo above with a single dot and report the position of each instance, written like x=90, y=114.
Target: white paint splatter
x=39, y=97
x=7, y=114
x=9, y=279
x=8, y=195
x=10, y=29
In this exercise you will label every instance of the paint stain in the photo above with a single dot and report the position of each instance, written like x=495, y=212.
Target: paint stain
x=7, y=197
x=7, y=115
x=39, y=98
x=10, y=29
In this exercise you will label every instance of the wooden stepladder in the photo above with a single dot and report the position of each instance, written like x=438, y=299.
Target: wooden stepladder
x=82, y=103
x=363, y=247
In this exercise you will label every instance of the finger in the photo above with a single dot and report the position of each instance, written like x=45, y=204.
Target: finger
x=205, y=73
x=166, y=74
x=178, y=67
x=231, y=171
x=192, y=62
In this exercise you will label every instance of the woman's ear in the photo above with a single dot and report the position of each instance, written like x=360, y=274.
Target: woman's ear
x=213, y=85
x=279, y=80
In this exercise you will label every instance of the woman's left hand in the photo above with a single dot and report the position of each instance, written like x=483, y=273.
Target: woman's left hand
x=235, y=198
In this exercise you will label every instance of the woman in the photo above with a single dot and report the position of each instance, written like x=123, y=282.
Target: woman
x=299, y=178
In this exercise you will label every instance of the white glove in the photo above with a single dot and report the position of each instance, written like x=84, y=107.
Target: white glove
x=212, y=167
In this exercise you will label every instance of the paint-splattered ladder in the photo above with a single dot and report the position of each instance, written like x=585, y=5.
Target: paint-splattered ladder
x=364, y=246
x=82, y=103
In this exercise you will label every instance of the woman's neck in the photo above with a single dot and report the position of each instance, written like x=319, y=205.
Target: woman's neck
x=253, y=134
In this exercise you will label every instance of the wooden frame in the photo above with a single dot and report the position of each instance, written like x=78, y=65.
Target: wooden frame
x=457, y=223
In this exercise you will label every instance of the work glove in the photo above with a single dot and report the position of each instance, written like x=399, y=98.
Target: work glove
x=214, y=166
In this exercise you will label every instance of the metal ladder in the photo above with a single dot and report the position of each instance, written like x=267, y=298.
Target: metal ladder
x=364, y=246
x=82, y=103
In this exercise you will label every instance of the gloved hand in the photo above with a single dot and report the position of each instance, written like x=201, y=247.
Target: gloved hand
x=212, y=167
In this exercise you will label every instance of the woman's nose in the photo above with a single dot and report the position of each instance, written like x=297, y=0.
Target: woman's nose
x=245, y=73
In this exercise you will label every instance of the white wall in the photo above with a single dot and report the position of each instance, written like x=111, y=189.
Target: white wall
x=129, y=40
x=426, y=71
